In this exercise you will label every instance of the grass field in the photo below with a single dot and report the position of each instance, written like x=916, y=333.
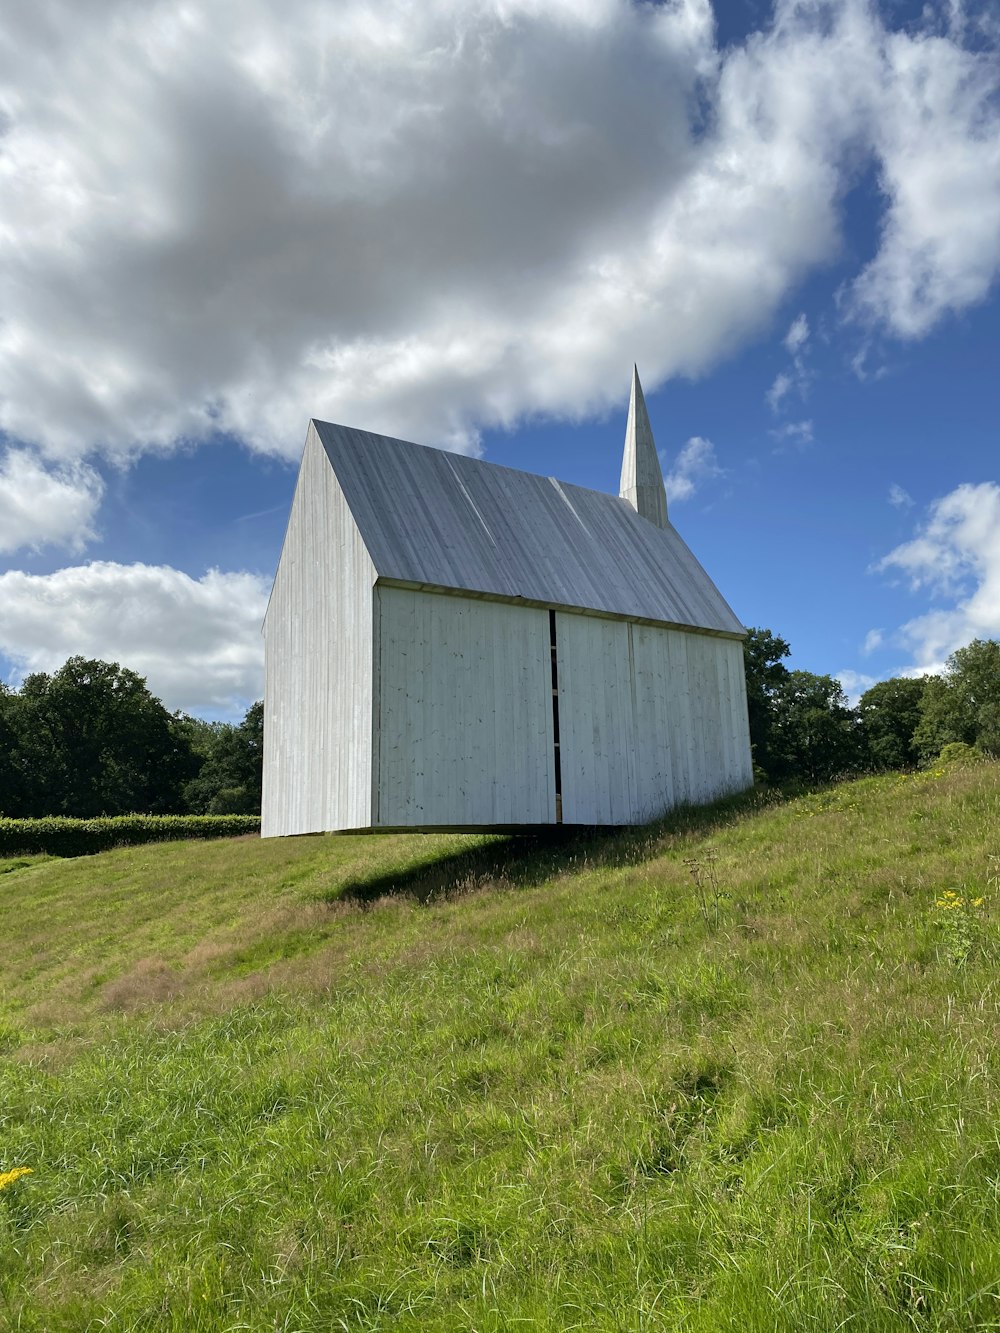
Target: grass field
x=737, y=1071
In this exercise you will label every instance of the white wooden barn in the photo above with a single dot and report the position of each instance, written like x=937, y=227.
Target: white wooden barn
x=454, y=644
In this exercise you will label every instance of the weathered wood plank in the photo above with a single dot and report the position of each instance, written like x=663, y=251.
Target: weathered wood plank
x=318, y=665
x=649, y=718
x=465, y=734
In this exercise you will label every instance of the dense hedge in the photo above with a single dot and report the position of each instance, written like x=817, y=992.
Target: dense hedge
x=58, y=836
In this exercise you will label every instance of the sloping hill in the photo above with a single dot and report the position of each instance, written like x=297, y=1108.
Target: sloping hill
x=735, y=1071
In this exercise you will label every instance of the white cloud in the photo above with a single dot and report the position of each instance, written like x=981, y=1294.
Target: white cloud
x=197, y=641
x=797, y=336
x=873, y=641
x=41, y=506
x=899, y=498
x=937, y=133
x=861, y=363
x=955, y=557
x=696, y=463
x=855, y=683
x=797, y=377
x=426, y=218
x=779, y=390
x=928, y=669
x=798, y=433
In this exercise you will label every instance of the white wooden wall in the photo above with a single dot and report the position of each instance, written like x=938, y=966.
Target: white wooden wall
x=691, y=709
x=465, y=712
x=596, y=720
x=648, y=718
x=318, y=665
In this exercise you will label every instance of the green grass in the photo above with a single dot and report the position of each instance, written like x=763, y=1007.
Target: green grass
x=460, y=1083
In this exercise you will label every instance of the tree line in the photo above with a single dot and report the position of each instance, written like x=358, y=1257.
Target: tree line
x=91, y=739
x=802, y=728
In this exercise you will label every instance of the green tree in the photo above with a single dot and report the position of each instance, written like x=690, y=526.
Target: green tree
x=766, y=676
x=974, y=672
x=13, y=781
x=229, y=780
x=940, y=720
x=816, y=736
x=889, y=714
x=96, y=741
x=964, y=704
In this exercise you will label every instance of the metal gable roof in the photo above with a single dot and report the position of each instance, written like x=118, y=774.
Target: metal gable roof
x=436, y=518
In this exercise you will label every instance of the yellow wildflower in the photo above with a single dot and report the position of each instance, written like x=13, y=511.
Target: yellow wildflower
x=8, y=1177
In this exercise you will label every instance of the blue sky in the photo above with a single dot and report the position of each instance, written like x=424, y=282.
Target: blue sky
x=461, y=226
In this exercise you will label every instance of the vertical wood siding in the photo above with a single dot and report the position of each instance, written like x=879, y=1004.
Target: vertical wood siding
x=649, y=718
x=318, y=665
x=596, y=720
x=464, y=712
x=659, y=762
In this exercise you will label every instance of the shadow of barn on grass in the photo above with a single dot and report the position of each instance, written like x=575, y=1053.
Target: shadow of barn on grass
x=525, y=860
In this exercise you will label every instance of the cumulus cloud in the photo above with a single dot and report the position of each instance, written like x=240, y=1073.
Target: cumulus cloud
x=955, y=559
x=936, y=132
x=430, y=218
x=197, y=641
x=899, y=498
x=873, y=641
x=696, y=463
x=46, y=506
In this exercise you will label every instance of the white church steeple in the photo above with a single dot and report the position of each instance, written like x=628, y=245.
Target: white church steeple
x=642, y=478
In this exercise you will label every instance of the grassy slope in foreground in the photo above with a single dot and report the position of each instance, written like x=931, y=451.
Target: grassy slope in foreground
x=561, y=1099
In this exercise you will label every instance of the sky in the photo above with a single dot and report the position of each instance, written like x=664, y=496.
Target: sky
x=461, y=222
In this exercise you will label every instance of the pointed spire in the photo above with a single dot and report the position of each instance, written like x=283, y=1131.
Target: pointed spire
x=642, y=478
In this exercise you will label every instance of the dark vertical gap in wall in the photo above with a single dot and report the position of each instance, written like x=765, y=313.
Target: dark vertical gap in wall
x=555, y=714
